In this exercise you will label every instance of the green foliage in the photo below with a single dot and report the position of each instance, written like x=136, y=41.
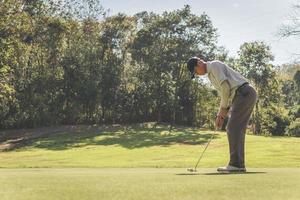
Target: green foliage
x=297, y=81
x=269, y=115
x=254, y=57
x=290, y=92
x=289, y=75
x=66, y=62
x=161, y=48
x=297, y=78
x=295, y=112
x=7, y=95
x=294, y=128
x=61, y=64
x=282, y=120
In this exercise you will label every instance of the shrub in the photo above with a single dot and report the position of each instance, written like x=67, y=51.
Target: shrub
x=294, y=128
x=274, y=121
x=295, y=112
x=282, y=122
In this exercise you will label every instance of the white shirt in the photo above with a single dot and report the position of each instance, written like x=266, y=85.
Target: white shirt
x=219, y=72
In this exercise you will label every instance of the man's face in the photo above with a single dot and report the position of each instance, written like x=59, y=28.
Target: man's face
x=200, y=67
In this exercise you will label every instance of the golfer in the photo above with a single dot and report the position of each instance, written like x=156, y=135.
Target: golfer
x=238, y=96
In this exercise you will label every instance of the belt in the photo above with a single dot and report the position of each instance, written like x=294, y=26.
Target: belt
x=241, y=86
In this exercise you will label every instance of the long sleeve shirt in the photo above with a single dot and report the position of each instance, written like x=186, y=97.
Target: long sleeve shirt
x=225, y=80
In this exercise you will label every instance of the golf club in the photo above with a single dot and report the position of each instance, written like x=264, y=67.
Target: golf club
x=195, y=168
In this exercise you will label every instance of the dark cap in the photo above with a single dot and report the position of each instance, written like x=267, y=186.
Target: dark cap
x=191, y=63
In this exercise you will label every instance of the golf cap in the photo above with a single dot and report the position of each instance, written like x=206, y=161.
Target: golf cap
x=191, y=63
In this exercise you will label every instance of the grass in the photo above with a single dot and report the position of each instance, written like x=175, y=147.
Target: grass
x=144, y=146
x=141, y=162
x=147, y=184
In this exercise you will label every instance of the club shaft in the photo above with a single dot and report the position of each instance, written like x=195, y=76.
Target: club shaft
x=205, y=149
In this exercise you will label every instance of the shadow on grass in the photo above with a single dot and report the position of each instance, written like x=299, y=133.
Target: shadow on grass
x=130, y=136
x=236, y=173
x=219, y=174
x=188, y=174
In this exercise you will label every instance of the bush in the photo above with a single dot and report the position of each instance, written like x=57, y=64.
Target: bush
x=282, y=122
x=294, y=128
x=274, y=121
x=295, y=112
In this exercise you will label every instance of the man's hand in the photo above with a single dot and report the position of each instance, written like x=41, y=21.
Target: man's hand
x=219, y=122
x=222, y=114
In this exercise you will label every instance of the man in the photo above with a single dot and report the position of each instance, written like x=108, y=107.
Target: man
x=238, y=96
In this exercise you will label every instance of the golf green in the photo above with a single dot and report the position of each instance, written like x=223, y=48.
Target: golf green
x=148, y=183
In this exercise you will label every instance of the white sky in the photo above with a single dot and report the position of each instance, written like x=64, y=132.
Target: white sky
x=237, y=21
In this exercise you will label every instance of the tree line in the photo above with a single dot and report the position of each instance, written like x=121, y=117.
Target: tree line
x=68, y=62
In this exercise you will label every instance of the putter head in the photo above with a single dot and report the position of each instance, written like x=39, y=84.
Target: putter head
x=191, y=170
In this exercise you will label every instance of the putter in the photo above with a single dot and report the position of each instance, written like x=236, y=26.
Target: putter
x=195, y=168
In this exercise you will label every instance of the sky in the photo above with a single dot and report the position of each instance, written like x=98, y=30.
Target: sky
x=237, y=21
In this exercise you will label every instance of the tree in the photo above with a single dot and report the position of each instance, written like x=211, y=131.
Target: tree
x=287, y=73
x=115, y=39
x=292, y=27
x=254, y=61
x=161, y=48
x=297, y=81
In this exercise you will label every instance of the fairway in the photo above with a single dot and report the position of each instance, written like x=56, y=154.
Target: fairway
x=141, y=146
x=138, y=162
x=148, y=183
x=149, y=100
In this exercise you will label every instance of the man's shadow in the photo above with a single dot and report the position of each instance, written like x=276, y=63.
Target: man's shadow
x=218, y=173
